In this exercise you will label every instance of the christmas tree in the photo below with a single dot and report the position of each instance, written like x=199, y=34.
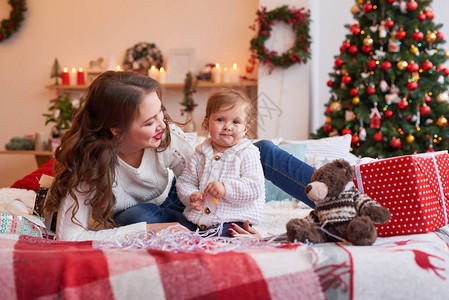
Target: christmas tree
x=389, y=84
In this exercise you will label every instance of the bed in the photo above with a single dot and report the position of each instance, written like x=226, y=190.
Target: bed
x=397, y=267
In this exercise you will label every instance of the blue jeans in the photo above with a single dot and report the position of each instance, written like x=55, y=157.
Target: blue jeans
x=283, y=169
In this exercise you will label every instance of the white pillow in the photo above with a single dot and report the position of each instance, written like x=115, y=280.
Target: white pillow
x=325, y=150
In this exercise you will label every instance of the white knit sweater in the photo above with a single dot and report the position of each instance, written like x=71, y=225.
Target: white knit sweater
x=132, y=186
x=239, y=169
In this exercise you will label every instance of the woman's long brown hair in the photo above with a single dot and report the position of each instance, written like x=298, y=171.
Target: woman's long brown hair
x=86, y=158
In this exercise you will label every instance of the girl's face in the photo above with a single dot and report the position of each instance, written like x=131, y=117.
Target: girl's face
x=147, y=129
x=227, y=127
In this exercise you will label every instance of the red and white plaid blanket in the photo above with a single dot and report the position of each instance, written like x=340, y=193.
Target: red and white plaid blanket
x=46, y=269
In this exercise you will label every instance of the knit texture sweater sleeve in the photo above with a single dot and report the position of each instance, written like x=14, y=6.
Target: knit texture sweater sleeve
x=188, y=182
x=67, y=230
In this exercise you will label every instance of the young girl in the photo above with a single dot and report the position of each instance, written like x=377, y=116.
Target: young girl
x=112, y=165
x=224, y=180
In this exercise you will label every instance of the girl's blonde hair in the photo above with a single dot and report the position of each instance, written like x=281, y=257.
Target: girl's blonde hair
x=229, y=98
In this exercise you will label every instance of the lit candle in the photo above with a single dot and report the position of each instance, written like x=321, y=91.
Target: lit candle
x=65, y=77
x=162, y=76
x=118, y=68
x=235, y=74
x=80, y=77
x=153, y=72
x=73, y=76
x=216, y=74
x=226, y=76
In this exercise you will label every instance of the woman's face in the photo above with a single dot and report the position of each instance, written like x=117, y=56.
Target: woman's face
x=147, y=129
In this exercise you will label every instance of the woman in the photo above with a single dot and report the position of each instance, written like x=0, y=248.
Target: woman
x=113, y=163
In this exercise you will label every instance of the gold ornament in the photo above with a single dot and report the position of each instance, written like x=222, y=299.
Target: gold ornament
x=446, y=54
x=431, y=37
x=368, y=41
x=336, y=106
x=402, y=65
x=410, y=138
x=414, y=49
x=355, y=9
x=356, y=100
x=328, y=119
x=415, y=76
x=360, y=1
x=442, y=121
x=333, y=132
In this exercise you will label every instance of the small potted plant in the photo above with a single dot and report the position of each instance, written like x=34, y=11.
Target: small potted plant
x=61, y=112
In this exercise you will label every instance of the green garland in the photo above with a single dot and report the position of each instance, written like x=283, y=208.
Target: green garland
x=141, y=57
x=190, y=84
x=11, y=25
x=299, y=20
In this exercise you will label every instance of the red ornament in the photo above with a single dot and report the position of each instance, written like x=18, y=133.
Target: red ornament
x=440, y=35
x=355, y=139
x=427, y=65
x=427, y=99
x=327, y=127
x=389, y=23
x=328, y=110
x=338, y=62
x=346, y=79
x=330, y=83
x=354, y=92
x=412, y=5
x=378, y=137
x=413, y=67
x=445, y=71
x=425, y=110
x=368, y=7
x=353, y=49
x=391, y=1
x=401, y=34
x=366, y=49
x=346, y=131
x=429, y=14
x=372, y=64
x=345, y=46
x=418, y=36
x=388, y=114
x=403, y=104
x=412, y=85
x=386, y=65
x=356, y=31
x=430, y=149
x=370, y=90
x=396, y=143
x=409, y=118
x=421, y=17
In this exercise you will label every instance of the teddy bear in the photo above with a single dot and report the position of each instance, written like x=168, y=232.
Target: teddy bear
x=342, y=213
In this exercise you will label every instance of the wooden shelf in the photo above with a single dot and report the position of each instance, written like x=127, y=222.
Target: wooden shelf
x=205, y=84
x=41, y=156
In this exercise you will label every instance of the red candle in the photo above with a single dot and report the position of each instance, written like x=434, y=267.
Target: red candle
x=65, y=77
x=80, y=77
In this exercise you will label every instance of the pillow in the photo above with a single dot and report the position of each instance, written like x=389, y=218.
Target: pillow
x=325, y=150
x=272, y=192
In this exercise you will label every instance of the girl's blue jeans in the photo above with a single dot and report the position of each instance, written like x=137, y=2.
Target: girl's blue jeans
x=283, y=169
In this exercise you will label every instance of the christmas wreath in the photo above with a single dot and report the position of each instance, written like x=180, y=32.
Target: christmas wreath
x=141, y=57
x=299, y=19
x=11, y=25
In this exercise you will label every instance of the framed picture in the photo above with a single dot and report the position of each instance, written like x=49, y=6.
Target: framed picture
x=180, y=62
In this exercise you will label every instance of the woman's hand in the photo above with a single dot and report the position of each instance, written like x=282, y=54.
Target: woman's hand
x=247, y=230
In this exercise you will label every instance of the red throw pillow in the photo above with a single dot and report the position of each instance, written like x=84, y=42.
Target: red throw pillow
x=31, y=181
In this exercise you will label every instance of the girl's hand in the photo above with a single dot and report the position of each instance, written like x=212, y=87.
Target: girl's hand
x=216, y=189
x=236, y=230
x=196, y=200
